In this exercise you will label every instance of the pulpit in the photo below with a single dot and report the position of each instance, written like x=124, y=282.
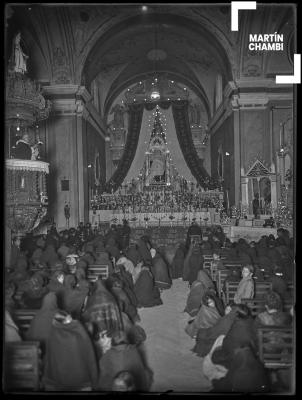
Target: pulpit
x=26, y=194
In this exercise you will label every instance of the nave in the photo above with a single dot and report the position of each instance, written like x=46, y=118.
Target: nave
x=168, y=346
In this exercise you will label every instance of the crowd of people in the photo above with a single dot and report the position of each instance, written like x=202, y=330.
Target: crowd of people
x=89, y=331
x=157, y=201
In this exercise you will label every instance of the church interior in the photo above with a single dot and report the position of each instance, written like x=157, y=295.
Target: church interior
x=149, y=199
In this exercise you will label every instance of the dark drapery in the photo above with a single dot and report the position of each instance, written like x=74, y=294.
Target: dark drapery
x=135, y=121
x=182, y=126
x=183, y=131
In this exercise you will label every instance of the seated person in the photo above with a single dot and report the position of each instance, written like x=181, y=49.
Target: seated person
x=273, y=314
x=73, y=297
x=208, y=315
x=206, y=337
x=177, y=265
x=160, y=271
x=34, y=291
x=101, y=310
x=123, y=382
x=70, y=359
x=198, y=289
x=146, y=292
x=193, y=263
x=240, y=334
x=41, y=324
x=246, y=287
x=123, y=357
x=246, y=374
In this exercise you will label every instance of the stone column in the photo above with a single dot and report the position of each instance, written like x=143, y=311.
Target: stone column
x=66, y=141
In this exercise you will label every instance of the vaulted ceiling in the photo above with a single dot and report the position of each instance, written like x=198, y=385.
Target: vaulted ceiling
x=113, y=44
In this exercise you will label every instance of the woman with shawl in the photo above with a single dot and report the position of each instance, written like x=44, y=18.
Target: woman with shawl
x=49, y=255
x=206, y=337
x=177, y=265
x=73, y=297
x=199, y=288
x=70, y=359
x=116, y=287
x=123, y=357
x=193, y=263
x=101, y=311
x=34, y=291
x=146, y=292
x=207, y=315
x=41, y=324
x=144, y=247
x=240, y=334
x=160, y=271
x=133, y=255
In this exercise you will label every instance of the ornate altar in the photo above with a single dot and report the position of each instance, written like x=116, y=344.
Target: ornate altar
x=26, y=198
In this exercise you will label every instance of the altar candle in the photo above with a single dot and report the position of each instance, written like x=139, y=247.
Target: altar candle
x=281, y=134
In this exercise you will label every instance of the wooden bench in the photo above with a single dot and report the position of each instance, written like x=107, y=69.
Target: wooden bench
x=22, y=366
x=261, y=288
x=229, y=264
x=96, y=270
x=275, y=345
x=220, y=277
x=258, y=305
x=23, y=318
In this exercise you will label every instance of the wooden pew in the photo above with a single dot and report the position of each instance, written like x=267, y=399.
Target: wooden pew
x=275, y=345
x=96, y=270
x=261, y=288
x=22, y=366
x=220, y=277
x=258, y=305
x=22, y=318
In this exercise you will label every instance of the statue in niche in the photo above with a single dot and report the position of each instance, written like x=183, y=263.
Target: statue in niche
x=194, y=114
x=118, y=112
x=19, y=57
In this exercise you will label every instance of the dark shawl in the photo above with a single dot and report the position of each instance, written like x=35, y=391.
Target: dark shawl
x=102, y=310
x=70, y=362
x=205, y=318
x=41, y=324
x=246, y=374
x=198, y=290
x=177, y=265
x=160, y=272
x=123, y=357
x=241, y=334
x=73, y=297
x=144, y=251
x=146, y=292
x=206, y=336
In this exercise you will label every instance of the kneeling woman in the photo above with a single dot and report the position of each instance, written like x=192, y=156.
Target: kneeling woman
x=145, y=290
x=209, y=313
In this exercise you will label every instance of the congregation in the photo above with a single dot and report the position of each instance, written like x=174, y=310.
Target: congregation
x=88, y=326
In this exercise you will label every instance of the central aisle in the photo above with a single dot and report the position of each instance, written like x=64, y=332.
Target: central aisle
x=168, y=347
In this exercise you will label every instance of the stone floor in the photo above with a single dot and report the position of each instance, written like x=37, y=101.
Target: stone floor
x=167, y=348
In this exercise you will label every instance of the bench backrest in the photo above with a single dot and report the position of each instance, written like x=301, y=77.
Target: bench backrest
x=258, y=305
x=275, y=346
x=220, y=277
x=22, y=362
x=23, y=318
x=96, y=270
x=261, y=288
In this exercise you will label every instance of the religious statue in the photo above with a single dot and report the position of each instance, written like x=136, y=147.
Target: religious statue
x=118, y=118
x=194, y=114
x=67, y=214
x=19, y=58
